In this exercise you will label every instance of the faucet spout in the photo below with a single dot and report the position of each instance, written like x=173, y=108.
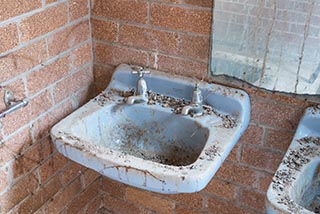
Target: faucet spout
x=195, y=109
x=196, y=105
x=140, y=95
x=137, y=99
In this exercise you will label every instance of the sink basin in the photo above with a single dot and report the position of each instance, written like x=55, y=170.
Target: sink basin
x=296, y=184
x=151, y=145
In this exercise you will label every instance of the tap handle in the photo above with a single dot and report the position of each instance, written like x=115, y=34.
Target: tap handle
x=140, y=71
x=197, y=95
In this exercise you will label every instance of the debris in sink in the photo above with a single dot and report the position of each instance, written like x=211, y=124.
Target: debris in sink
x=311, y=197
x=314, y=109
x=109, y=96
x=150, y=144
x=282, y=178
x=308, y=140
x=292, y=206
x=211, y=152
x=296, y=158
x=176, y=104
x=167, y=102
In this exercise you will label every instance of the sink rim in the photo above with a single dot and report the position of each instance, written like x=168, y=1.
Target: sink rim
x=189, y=180
x=274, y=194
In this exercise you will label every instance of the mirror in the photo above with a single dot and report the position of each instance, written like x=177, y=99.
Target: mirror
x=272, y=44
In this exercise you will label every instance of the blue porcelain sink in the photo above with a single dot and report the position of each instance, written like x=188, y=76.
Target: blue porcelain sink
x=150, y=145
x=296, y=184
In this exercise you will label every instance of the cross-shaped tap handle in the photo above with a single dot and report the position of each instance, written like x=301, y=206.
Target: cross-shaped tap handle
x=140, y=71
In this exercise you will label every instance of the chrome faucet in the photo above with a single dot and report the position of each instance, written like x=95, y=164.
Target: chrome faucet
x=140, y=95
x=195, y=106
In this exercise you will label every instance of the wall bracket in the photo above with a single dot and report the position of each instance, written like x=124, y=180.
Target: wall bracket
x=12, y=104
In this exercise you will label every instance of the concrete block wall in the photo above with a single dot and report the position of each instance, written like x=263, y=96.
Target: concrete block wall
x=46, y=57
x=173, y=36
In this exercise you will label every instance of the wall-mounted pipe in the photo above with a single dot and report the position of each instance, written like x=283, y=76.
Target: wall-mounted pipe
x=12, y=104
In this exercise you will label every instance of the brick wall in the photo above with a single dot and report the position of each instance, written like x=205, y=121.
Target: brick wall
x=45, y=56
x=173, y=36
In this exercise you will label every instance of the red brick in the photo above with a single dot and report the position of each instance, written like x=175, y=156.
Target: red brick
x=8, y=37
x=115, y=55
x=265, y=181
x=17, y=193
x=42, y=23
x=82, y=55
x=196, y=47
x=114, y=188
x=105, y=30
x=14, y=8
x=127, y=10
x=99, y=87
x=172, y=1
x=278, y=139
x=261, y=158
x=215, y=206
x=149, y=200
x=149, y=39
x=68, y=38
x=193, y=201
x=180, y=18
x=185, y=210
x=31, y=204
x=61, y=199
x=78, y=9
x=31, y=158
x=253, y=199
x=222, y=189
x=52, y=166
x=282, y=116
x=84, y=95
x=23, y=59
x=89, y=176
x=43, y=125
x=72, y=171
x=116, y=205
x=48, y=75
x=94, y=205
x=84, y=198
x=72, y=84
x=15, y=145
x=237, y=173
x=103, y=74
x=235, y=153
x=183, y=67
x=40, y=196
x=200, y=3
x=253, y=135
x=50, y=1
x=37, y=106
x=4, y=179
